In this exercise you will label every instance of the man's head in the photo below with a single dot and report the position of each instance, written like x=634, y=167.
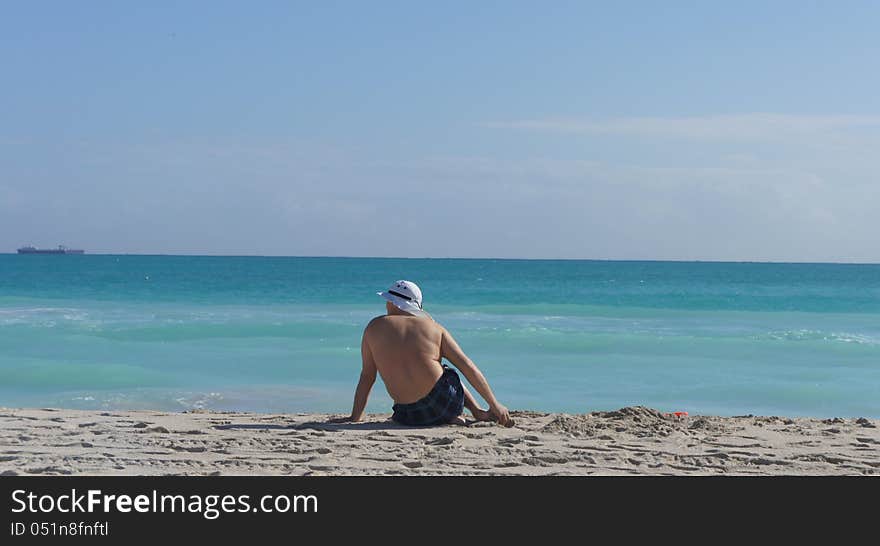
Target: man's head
x=403, y=296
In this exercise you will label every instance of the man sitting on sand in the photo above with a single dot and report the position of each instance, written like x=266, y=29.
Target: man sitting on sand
x=406, y=347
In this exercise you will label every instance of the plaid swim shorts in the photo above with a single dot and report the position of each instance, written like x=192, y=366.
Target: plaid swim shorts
x=438, y=407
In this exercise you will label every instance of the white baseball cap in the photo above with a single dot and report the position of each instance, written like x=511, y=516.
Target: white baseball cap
x=406, y=295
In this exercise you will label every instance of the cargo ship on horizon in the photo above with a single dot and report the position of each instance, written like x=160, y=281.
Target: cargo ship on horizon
x=60, y=250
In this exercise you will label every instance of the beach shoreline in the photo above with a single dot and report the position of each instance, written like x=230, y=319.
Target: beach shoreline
x=630, y=441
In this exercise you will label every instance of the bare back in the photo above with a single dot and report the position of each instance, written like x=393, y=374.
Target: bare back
x=406, y=352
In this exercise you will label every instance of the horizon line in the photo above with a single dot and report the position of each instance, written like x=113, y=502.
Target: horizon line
x=185, y=255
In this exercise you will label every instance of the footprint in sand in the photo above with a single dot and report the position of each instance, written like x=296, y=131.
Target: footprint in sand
x=385, y=438
x=534, y=461
x=49, y=470
x=195, y=449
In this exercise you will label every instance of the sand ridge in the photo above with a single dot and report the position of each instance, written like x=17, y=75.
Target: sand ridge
x=629, y=441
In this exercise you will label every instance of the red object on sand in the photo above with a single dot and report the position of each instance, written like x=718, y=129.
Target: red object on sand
x=680, y=413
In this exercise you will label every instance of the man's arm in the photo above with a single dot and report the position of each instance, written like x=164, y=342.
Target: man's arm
x=365, y=383
x=450, y=350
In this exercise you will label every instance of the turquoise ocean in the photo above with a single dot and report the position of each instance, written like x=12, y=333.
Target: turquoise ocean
x=272, y=334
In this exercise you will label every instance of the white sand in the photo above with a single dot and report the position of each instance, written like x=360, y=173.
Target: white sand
x=628, y=441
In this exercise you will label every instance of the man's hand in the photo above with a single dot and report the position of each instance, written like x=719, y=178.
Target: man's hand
x=501, y=415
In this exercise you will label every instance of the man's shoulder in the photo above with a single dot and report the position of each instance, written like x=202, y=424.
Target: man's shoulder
x=375, y=320
x=425, y=322
x=393, y=321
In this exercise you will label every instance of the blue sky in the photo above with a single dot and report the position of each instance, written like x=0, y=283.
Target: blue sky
x=626, y=130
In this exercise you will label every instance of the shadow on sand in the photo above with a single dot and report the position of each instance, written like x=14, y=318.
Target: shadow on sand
x=317, y=425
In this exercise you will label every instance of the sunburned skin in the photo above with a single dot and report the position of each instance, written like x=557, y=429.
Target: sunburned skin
x=406, y=351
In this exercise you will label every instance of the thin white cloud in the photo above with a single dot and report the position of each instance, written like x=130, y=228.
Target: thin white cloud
x=678, y=201
x=738, y=126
